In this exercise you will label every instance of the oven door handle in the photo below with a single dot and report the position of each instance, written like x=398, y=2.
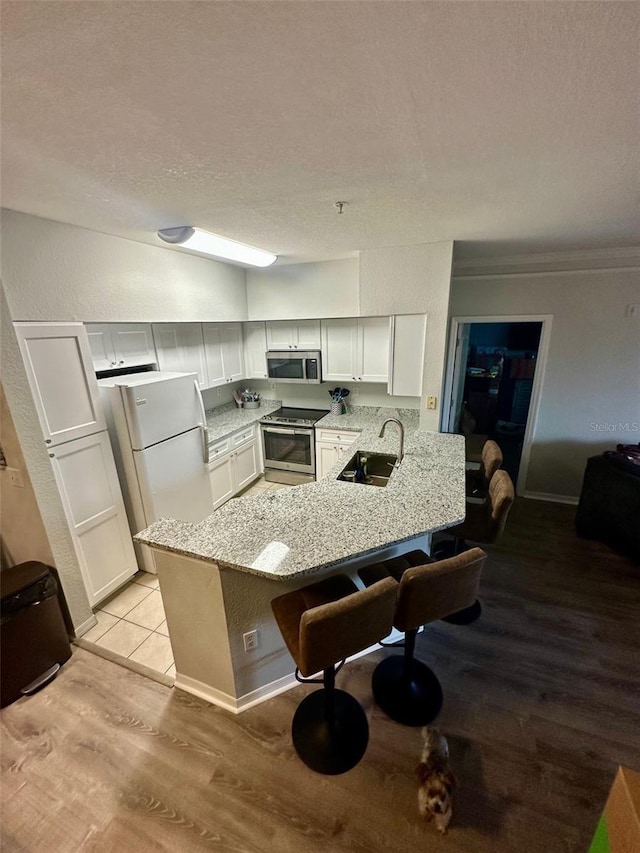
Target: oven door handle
x=287, y=431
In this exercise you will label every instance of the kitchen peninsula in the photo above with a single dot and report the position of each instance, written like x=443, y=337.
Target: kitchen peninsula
x=218, y=577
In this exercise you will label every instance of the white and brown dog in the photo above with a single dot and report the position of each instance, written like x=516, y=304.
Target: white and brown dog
x=435, y=794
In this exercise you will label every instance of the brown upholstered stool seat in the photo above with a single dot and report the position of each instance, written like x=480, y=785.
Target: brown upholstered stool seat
x=322, y=624
x=477, y=482
x=407, y=690
x=484, y=523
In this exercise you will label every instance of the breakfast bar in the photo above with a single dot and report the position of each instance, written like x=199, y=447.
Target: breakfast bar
x=218, y=577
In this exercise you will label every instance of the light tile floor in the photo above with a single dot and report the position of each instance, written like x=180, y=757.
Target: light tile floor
x=132, y=622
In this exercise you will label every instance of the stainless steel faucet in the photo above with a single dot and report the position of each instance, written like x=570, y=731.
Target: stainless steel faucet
x=395, y=421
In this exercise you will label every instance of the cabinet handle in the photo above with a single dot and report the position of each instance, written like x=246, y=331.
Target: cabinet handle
x=52, y=455
x=47, y=441
x=113, y=363
x=354, y=378
x=121, y=361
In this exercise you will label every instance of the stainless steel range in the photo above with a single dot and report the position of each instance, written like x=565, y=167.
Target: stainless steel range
x=288, y=444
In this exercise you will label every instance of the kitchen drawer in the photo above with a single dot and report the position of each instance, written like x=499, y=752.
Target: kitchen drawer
x=338, y=436
x=218, y=448
x=243, y=437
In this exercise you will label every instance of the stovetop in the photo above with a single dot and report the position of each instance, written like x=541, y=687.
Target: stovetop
x=296, y=417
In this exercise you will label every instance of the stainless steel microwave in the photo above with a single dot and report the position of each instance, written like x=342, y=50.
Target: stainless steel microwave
x=294, y=366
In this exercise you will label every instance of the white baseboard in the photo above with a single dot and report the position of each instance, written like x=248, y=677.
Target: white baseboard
x=556, y=499
x=231, y=703
x=87, y=625
x=256, y=697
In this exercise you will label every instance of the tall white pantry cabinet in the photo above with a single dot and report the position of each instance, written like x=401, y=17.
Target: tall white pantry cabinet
x=59, y=368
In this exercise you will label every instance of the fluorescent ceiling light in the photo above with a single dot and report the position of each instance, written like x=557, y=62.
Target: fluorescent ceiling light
x=220, y=247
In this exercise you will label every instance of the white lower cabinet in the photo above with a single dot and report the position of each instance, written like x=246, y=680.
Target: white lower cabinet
x=88, y=484
x=235, y=462
x=330, y=445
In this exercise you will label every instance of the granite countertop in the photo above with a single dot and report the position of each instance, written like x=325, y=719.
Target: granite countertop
x=296, y=531
x=226, y=419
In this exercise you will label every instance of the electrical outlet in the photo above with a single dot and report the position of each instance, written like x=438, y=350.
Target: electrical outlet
x=15, y=478
x=432, y=402
x=219, y=392
x=632, y=310
x=355, y=392
x=250, y=640
x=272, y=386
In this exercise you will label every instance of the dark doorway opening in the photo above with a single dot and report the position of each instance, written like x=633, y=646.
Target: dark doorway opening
x=499, y=369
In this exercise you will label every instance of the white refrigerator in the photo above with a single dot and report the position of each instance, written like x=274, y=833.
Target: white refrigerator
x=158, y=429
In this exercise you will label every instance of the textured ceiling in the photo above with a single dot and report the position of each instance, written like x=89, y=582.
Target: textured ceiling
x=512, y=127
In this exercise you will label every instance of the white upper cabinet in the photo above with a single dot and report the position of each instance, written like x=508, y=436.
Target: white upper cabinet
x=293, y=334
x=58, y=363
x=255, y=346
x=355, y=350
x=339, y=350
x=373, y=349
x=408, y=337
x=223, y=353
x=180, y=349
x=115, y=345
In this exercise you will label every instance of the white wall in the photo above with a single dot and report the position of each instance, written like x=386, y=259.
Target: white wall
x=298, y=291
x=413, y=280
x=53, y=271
x=593, y=369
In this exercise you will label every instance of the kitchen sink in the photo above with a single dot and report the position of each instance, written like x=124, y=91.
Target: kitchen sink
x=378, y=466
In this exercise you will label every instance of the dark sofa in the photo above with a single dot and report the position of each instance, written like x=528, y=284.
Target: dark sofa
x=609, y=508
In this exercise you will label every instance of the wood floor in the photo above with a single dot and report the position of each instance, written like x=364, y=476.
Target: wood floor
x=542, y=701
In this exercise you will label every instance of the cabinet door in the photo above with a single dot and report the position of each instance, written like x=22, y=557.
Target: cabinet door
x=232, y=355
x=280, y=335
x=101, y=345
x=221, y=477
x=88, y=483
x=255, y=346
x=180, y=349
x=373, y=349
x=306, y=335
x=407, y=354
x=326, y=458
x=245, y=463
x=58, y=364
x=213, y=354
x=339, y=350
x=133, y=344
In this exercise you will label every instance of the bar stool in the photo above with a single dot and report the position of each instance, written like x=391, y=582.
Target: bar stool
x=484, y=523
x=405, y=688
x=323, y=624
x=477, y=482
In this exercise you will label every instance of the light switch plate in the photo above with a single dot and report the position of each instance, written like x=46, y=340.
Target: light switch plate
x=432, y=402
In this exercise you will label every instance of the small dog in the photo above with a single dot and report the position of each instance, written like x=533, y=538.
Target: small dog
x=435, y=794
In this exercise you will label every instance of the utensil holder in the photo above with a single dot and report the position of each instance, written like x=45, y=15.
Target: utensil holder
x=252, y=404
x=337, y=408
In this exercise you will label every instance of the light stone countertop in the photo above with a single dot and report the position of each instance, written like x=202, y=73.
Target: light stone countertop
x=296, y=531
x=226, y=419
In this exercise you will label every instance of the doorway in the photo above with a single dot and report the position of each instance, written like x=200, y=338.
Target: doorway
x=494, y=379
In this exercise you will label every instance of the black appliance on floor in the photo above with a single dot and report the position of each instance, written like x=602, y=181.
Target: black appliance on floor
x=33, y=637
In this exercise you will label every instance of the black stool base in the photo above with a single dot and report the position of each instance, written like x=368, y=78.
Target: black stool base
x=466, y=616
x=413, y=703
x=330, y=748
